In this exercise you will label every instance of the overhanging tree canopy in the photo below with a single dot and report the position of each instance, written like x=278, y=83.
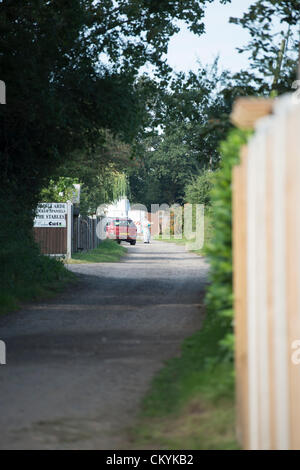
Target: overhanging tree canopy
x=59, y=93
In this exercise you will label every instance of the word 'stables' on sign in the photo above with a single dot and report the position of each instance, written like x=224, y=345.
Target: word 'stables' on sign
x=52, y=214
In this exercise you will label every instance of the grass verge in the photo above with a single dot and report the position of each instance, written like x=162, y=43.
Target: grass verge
x=190, y=404
x=27, y=275
x=47, y=277
x=108, y=251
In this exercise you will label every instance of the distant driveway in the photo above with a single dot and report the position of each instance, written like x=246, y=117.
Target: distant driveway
x=78, y=365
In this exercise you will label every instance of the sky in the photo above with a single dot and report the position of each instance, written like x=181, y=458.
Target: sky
x=221, y=37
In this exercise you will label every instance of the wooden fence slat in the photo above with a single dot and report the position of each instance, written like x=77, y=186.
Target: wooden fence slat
x=293, y=266
x=280, y=359
x=262, y=357
x=270, y=282
x=240, y=296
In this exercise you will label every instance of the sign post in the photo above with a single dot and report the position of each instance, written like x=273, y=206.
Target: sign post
x=69, y=229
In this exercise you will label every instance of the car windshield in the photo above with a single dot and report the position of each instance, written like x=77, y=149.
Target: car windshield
x=121, y=223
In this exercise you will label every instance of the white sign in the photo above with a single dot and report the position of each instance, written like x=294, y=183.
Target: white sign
x=52, y=214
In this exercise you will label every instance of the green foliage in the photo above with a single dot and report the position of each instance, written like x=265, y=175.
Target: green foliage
x=192, y=394
x=100, y=172
x=60, y=190
x=204, y=421
x=164, y=169
x=273, y=52
x=180, y=379
x=60, y=95
x=61, y=98
x=193, y=113
x=219, y=297
x=134, y=32
x=196, y=104
x=27, y=275
x=104, y=186
x=98, y=186
x=199, y=189
x=109, y=251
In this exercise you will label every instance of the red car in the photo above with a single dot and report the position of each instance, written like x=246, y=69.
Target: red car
x=121, y=229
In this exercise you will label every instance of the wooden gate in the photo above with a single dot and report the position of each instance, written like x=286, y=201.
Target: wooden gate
x=84, y=233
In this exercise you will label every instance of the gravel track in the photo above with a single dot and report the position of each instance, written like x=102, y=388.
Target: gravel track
x=78, y=365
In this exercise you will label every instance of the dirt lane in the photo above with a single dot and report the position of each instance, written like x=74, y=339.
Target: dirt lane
x=78, y=365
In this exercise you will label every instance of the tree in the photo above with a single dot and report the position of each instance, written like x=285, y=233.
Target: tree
x=274, y=45
x=57, y=101
x=193, y=116
x=59, y=190
x=134, y=32
x=100, y=171
x=165, y=167
x=198, y=191
x=60, y=95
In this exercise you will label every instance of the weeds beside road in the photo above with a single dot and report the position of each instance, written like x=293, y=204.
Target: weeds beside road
x=37, y=277
x=190, y=404
x=108, y=251
x=34, y=276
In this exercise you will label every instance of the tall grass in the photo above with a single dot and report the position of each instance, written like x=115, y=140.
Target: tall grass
x=109, y=251
x=190, y=404
x=26, y=274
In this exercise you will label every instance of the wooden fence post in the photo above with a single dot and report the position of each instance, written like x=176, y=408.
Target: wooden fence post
x=69, y=229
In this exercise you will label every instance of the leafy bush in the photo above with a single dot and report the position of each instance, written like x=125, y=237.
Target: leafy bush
x=108, y=251
x=25, y=273
x=219, y=297
x=59, y=190
x=198, y=191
